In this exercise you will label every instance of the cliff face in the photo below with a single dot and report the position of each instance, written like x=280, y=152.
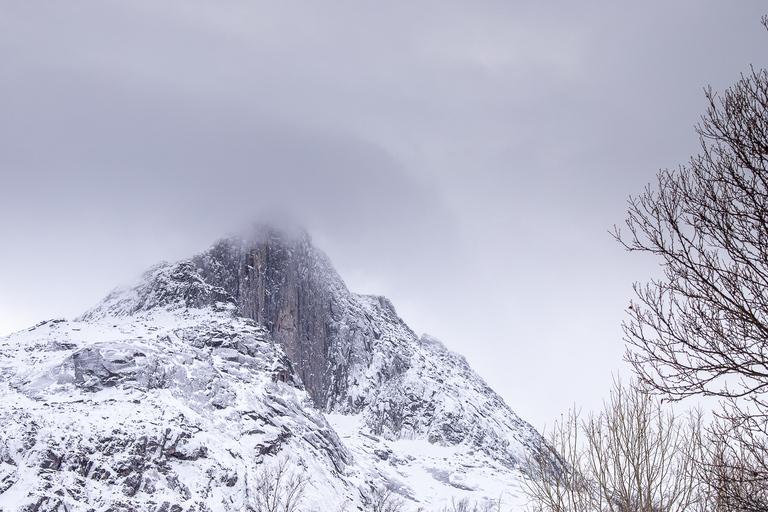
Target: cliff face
x=289, y=287
x=354, y=354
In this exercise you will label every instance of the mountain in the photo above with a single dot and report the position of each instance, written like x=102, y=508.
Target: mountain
x=196, y=388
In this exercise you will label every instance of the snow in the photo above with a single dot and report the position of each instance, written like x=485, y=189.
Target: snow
x=145, y=400
x=429, y=474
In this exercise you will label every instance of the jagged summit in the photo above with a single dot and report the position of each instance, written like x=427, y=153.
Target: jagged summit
x=252, y=350
x=291, y=288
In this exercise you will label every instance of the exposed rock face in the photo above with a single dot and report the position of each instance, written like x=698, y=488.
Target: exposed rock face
x=291, y=289
x=288, y=286
x=168, y=406
x=353, y=353
x=162, y=286
x=172, y=394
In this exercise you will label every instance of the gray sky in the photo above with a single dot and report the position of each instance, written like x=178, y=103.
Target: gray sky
x=466, y=159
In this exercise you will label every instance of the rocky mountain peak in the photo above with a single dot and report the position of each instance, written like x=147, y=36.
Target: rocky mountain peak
x=250, y=351
x=283, y=283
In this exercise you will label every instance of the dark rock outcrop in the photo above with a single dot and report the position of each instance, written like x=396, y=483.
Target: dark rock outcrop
x=285, y=284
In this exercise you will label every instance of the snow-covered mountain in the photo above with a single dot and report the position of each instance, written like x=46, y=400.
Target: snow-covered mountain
x=194, y=389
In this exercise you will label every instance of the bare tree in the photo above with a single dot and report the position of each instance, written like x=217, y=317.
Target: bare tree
x=564, y=487
x=734, y=469
x=465, y=505
x=631, y=457
x=702, y=329
x=383, y=499
x=276, y=488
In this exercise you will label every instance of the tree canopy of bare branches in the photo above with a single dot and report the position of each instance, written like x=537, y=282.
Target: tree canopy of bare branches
x=631, y=457
x=702, y=329
x=276, y=488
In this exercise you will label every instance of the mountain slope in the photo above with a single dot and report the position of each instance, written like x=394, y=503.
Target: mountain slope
x=354, y=354
x=181, y=390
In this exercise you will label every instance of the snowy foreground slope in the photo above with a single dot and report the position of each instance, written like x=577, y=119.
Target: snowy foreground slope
x=180, y=393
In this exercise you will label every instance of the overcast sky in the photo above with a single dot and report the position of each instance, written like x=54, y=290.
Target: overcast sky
x=466, y=159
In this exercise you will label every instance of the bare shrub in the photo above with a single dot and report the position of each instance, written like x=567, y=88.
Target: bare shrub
x=383, y=499
x=734, y=471
x=465, y=505
x=276, y=488
x=633, y=456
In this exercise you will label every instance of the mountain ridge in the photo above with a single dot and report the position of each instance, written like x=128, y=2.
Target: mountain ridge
x=249, y=321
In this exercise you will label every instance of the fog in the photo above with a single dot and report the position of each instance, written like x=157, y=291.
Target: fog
x=467, y=160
